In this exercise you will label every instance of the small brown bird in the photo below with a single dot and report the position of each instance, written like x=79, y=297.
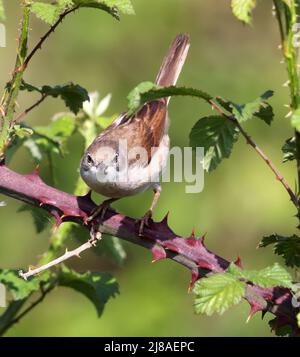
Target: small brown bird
x=128, y=157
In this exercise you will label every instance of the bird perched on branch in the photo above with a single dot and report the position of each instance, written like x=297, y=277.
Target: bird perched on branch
x=128, y=157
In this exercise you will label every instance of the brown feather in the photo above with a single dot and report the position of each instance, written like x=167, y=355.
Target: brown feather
x=147, y=127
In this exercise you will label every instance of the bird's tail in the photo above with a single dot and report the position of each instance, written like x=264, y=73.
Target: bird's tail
x=174, y=61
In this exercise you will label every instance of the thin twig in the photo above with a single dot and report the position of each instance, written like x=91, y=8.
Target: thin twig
x=46, y=35
x=260, y=152
x=73, y=253
x=26, y=111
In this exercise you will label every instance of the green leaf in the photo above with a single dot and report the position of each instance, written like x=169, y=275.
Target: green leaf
x=217, y=135
x=40, y=218
x=242, y=9
x=298, y=319
x=140, y=95
x=22, y=132
x=113, y=7
x=266, y=278
x=2, y=11
x=18, y=287
x=124, y=6
x=287, y=247
x=46, y=12
x=97, y=287
x=62, y=126
x=265, y=113
x=72, y=94
x=258, y=108
x=50, y=13
x=218, y=293
x=289, y=149
x=147, y=91
x=295, y=119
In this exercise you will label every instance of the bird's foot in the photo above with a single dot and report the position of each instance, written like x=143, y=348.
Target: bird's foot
x=98, y=211
x=145, y=221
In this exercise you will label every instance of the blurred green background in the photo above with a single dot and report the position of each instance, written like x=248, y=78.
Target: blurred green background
x=241, y=201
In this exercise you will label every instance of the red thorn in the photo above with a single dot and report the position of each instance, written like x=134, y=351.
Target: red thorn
x=34, y=176
x=195, y=277
x=203, y=238
x=193, y=233
x=238, y=262
x=165, y=219
x=253, y=310
x=158, y=253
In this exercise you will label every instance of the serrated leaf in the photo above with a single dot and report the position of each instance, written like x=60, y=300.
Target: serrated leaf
x=258, y=108
x=18, y=287
x=265, y=113
x=242, y=9
x=113, y=7
x=72, y=94
x=287, y=247
x=147, y=91
x=124, y=6
x=217, y=293
x=217, y=135
x=50, y=13
x=97, y=287
x=266, y=278
x=40, y=218
x=2, y=11
x=22, y=132
x=289, y=149
x=139, y=95
x=46, y=12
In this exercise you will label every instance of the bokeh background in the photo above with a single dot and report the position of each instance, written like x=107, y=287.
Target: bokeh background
x=241, y=201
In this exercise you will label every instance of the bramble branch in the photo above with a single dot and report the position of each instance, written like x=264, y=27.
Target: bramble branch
x=158, y=238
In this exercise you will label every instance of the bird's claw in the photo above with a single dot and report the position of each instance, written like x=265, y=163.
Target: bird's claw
x=98, y=211
x=145, y=222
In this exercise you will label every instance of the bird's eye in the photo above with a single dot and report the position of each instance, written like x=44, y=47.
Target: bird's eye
x=89, y=160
